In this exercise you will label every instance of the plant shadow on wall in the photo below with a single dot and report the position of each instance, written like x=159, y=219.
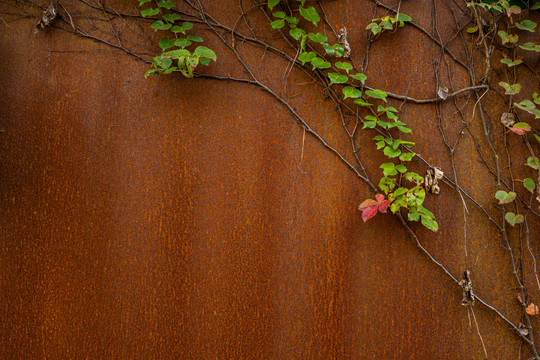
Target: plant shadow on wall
x=497, y=50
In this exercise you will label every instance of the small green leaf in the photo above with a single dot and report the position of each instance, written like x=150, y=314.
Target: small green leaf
x=293, y=21
x=336, y=78
x=511, y=63
x=359, y=76
x=526, y=25
x=307, y=57
x=149, y=12
x=472, y=30
x=351, y=92
x=181, y=42
x=530, y=47
x=526, y=105
x=142, y=2
x=277, y=24
x=369, y=124
x=401, y=168
x=504, y=197
x=297, y=33
x=513, y=219
x=272, y=3
x=390, y=152
x=361, y=102
x=510, y=89
x=430, y=224
x=537, y=138
x=166, y=4
x=279, y=14
x=166, y=43
x=344, y=66
x=374, y=27
x=171, y=17
x=310, y=14
x=403, y=17
x=377, y=94
x=507, y=38
x=407, y=156
x=533, y=162
x=529, y=184
x=195, y=38
x=536, y=6
x=205, y=52
x=319, y=38
x=317, y=62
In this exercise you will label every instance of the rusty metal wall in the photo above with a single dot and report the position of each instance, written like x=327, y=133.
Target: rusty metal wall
x=175, y=218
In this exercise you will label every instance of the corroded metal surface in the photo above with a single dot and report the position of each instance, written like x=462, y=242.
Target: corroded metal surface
x=193, y=219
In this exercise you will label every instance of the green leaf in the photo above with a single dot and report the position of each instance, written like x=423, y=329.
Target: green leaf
x=511, y=63
x=176, y=29
x=279, y=14
x=359, y=76
x=339, y=50
x=205, y=52
x=526, y=25
x=513, y=219
x=317, y=62
x=530, y=47
x=377, y=94
x=149, y=12
x=536, y=99
x=390, y=152
x=430, y=224
x=526, y=105
x=510, y=89
x=204, y=61
x=536, y=6
x=403, y=17
x=472, y=30
x=401, y=168
x=177, y=53
x=307, y=57
x=272, y=3
x=182, y=42
x=369, y=124
x=336, y=78
x=171, y=17
x=529, y=184
x=310, y=14
x=293, y=21
x=160, y=25
x=142, y=2
x=344, y=66
x=166, y=43
x=361, y=102
x=533, y=162
x=504, y=197
x=195, y=38
x=507, y=38
x=319, y=38
x=166, y=4
x=407, y=156
x=297, y=33
x=277, y=24
x=413, y=215
x=351, y=92
x=374, y=27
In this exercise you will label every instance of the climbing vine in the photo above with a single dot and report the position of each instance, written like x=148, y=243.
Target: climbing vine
x=497, y=38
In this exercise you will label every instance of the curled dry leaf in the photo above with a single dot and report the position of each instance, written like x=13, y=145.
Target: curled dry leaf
x=443, y=92
x=508, y=119
x=532, y=310
x=370, y=207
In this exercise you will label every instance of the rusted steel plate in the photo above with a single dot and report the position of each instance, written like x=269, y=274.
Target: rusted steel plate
x=194, y=219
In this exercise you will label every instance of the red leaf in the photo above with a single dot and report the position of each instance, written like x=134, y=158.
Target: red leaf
x=518, y=131
x=369, y=212
x=384, y=205
x=367, y=203
x=370, y=207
